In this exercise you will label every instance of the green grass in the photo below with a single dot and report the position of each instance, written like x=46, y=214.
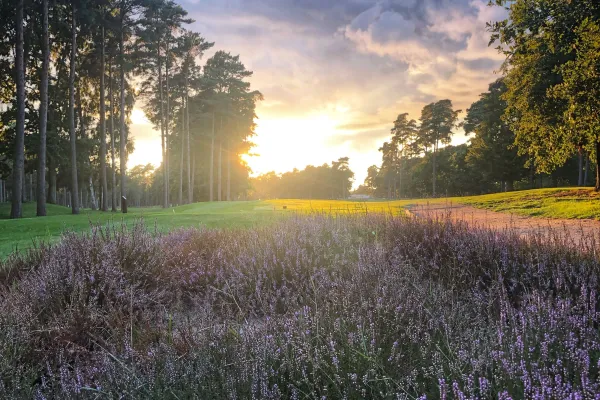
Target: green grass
x=24, y=233
x=569, y=203
x=21, y=234
x=572, y=203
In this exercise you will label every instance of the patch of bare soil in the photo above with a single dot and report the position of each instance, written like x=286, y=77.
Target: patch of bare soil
x=574, y=231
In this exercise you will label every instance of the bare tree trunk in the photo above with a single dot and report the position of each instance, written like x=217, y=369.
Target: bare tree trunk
x=228, y=155
x=212, y=161
x=587, y=169
x=181, y=145
x=51, y=183
x=187, y=131
x=24, y=188
x=193, y=180
x=434, y=168
x=74, y=183
x=112, y=141
x=103, y=182
x=93, y=203
x=162, y=132
x=402, y=167
x=31, y=198
x=167, y=121
x=16, y=210
x=580, y=166
x=123, y=155
x=219, y=173
x=41, y=180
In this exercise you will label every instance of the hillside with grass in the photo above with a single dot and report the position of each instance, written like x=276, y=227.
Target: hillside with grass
x=566, y=203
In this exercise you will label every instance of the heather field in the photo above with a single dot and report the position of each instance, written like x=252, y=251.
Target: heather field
x=362, y=305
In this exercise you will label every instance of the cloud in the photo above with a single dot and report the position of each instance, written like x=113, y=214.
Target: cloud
x=373, y=59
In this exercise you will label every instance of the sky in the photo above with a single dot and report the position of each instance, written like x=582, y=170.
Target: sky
x=336, y=73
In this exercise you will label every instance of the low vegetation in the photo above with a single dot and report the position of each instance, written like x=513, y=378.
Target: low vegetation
x=313, y=306
x=569, y=203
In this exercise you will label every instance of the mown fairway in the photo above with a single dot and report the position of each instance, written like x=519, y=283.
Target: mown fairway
x=571, y=203
x=22, y=234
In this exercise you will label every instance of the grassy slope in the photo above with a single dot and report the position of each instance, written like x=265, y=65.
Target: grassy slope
x=571, y=203
x=576, y=203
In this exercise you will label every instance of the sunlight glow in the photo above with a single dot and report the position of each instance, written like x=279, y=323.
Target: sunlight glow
x=285, y=144
x=139, y=118
x=146, y=152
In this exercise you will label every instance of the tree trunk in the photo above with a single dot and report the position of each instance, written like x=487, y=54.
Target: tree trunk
x=211, y=178
x=24, y=187
x=112, y=141
x=181, y=145
x=41, y=179
x=187, y=135
x=193, y=174
x=167, y=121
x=73, y=136
x=580, y=166
x=31, y=198
x=587, y=169
x=16, y=210
x=434, y=168
x=103, y=182
x=51, y=183
x=93, y=203
x=122, y=155
x=228, y=155
x=219, y=173
x=400, y=179
x=597, y=187
x=162, y=131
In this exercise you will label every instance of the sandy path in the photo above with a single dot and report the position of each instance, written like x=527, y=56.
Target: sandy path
x=576, y=230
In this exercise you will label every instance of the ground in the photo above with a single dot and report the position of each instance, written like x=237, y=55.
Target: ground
x=561, y=205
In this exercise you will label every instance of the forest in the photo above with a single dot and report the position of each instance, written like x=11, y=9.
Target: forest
x=70, y=74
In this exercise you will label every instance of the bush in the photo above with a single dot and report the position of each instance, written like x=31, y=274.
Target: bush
x=316, y=306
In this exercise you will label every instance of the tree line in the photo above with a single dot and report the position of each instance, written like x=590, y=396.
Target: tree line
x=537, y=125
x=327, y=181
x=70, y=74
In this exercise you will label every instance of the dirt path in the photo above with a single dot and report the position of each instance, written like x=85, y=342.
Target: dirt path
x=576, y=230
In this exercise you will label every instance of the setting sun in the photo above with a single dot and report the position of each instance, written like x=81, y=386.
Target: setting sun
x=285, y=144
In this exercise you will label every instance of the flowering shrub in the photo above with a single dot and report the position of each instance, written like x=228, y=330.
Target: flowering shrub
x=313, y=307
